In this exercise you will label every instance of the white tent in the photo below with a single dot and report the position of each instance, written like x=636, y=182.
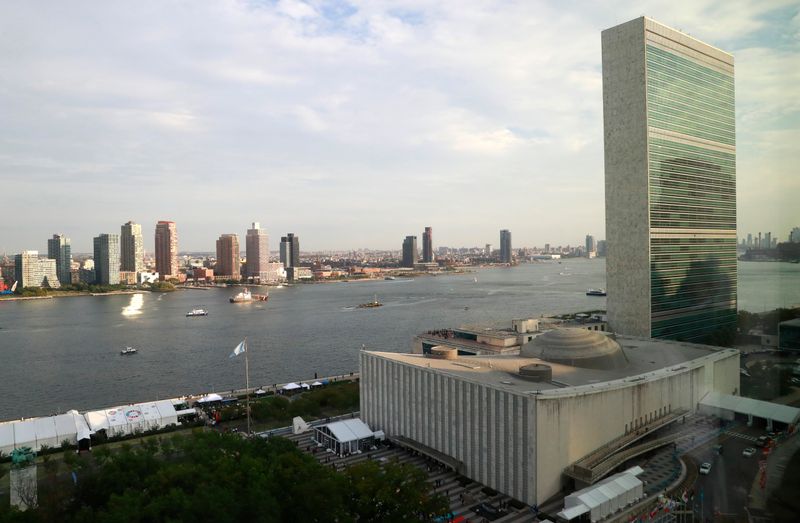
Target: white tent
x=37, y=432
x=346, y=436
x=129, y=419
x=317, y=384
x=305, y=385
x=210, y=397
x=6, y=438
x=290, y=386
x=605, y=497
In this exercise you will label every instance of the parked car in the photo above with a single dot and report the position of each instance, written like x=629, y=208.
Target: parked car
x=705, y=468
x=748, y=452
x=762, y=441
x=795, y=381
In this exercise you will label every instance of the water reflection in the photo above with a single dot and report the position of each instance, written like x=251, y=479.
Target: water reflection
x=134, y=308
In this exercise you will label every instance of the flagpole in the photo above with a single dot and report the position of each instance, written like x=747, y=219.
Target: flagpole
x=247, y=382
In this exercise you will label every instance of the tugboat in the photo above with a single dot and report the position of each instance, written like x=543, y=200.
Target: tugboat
x=196, y=312
x=371, y=304
x=596, y=292
x=127, y=350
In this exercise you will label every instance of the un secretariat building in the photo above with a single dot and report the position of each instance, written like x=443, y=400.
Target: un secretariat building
x=670, y=164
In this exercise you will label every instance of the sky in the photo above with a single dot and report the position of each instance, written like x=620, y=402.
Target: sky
x=353, y=124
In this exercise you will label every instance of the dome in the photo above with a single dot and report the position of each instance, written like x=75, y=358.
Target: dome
x=576, y=347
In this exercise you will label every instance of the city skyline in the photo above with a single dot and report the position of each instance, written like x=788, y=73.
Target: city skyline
x=468, y=120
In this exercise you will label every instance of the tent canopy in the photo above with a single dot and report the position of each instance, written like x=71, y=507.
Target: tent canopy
x=349, y=430
x=752, y=407
x=210, y=397
x=291, y=386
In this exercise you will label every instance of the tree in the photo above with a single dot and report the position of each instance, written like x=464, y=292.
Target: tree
x=392, y=493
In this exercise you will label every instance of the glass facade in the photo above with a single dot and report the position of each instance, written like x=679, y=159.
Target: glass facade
x=692, y=193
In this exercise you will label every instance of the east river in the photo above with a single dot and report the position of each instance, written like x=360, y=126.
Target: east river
x=64, y=353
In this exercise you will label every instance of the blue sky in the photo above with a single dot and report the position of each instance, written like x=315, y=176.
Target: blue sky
x=352, y=124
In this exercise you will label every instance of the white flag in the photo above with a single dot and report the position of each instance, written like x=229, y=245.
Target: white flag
x=238, y=350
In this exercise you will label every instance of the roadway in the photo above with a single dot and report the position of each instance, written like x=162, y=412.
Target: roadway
x=726, y=488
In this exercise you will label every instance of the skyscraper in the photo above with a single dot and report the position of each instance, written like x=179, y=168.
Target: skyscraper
x=590, y=245
x=228, y=261
x=410, y=252
x=166, y=250
x=257, y=251
x=290, y=250
x=505, y=246
x=106, y=259
x=668, y=107
x=58, y=249
x=131, y=248
x=427, y=245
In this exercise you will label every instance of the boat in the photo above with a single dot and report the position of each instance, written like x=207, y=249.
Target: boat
x=128, y=350
x=196, y=312
x=596, y=292
x=390, y=278
x=475, y=280
x=371, y=304
x=245, y=297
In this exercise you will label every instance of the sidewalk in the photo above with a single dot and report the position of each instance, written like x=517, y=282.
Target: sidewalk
x=776, y=466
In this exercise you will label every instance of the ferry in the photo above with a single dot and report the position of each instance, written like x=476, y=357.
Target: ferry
x=596, y=292
x=196, y=312
x=128, y=350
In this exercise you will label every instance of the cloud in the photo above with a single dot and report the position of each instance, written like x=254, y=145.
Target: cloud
x=301, y=113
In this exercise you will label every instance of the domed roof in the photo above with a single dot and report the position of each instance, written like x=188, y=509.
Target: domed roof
x=576, y=347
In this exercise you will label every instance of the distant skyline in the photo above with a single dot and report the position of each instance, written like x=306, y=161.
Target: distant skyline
x=353, y=124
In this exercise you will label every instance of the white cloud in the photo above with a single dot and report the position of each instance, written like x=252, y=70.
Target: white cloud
x=419, y=109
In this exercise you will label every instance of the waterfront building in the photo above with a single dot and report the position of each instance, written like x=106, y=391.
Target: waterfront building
x=591, y=247
x=487, y=250
x=749, y=240
x=670, y=183
x=602, y=248
x=794, y=236
x=767, y=241
x=131, y=247
x=505, y=246
x=290, y=250
x=106, y=259
x=32, y=271
x=228, y=261
x=59, y=249
x=410, y=252
x=427, y=245
x=256, y=251
x=166, y=250
x=521, y=423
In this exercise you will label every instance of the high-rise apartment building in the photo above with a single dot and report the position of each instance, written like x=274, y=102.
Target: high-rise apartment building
x=131, y=248
x=410, y=252
x=427, y=245
x=767, y=241
x=290, y=250
x=166, y=250
x=505, y=246
x=32, y=271
x=670, y=180
x=591, y=246
x=106, y=259
x=58, y=249
x=228, y=261
x=794, y=236
x=257, y=251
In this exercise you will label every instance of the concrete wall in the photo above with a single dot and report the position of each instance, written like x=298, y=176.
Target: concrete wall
x=626, y=179
x=490, y=431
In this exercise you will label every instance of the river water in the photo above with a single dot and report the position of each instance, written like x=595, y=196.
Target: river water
x=63, y=353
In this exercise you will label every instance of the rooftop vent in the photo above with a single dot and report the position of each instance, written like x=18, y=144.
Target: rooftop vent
x=440, y=352
x=536, y=372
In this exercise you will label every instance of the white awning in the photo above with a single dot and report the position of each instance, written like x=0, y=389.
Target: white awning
x=753, y=407
x=349, y=430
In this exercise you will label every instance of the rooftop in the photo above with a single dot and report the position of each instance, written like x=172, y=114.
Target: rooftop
x=645, y=359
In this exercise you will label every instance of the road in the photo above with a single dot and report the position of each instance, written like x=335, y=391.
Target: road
x=725, y=490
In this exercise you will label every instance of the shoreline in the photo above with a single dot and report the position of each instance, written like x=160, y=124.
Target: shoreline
x=72, y=294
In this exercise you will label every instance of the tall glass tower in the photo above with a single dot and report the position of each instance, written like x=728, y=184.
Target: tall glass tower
x=670, y=164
